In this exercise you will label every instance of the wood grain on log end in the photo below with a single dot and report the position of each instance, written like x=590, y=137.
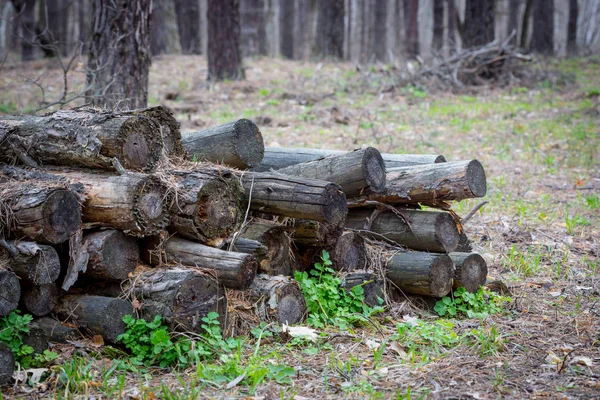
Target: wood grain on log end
x=152, y=204
x=336, y=208
x=446, y=231
x=10, y=292
x=61, y=215
x=442, y=272
x=141, y=146
x=112, y=255
x=476, y=178
x=7, y=364
x=40, y=300
x=374, y=170
x=278, y=298
x=349, y=253
x=36, y=264
x=471, y=271
x=249, y=144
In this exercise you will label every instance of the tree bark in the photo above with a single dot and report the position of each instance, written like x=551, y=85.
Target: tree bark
x=252, y=21
x=10, y=291
x=254, y=247
x=471, y=271
x=315, y=234
x=379, y=37
x=55, y=331
x=224, y=55
x=112, y=255
x=119, y=55
x=40, y=300
x=278, y=299
x=452, y=17
x=279, y=247
x=34, y=264
x=419, y=230
x=286, y=28
x=542, y=39
x=164, y=36
x=7, y=364
x=207, y=206
x=25, y=10
x=438, y=26
x=572, y=28
x=479, y=23
x=188, y=25
x=356, y=172
x=82, y=138
x=411, y=22
x=513, y=19
x=293, y=197
x=100, y=315
x=421, y=273
x=372, y=286
x=237, y=144
x=526, y=23
x=430, y=184
x=330, y=29
x=56, y=27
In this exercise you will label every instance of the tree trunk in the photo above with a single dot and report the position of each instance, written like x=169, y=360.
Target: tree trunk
x=135, y=203
x=164, y=36
x=119, y=56
x=411, y=22
x=40, y=300
x=82, y=138
x=25, y=10
x=238, y=144
x=438, y=26
x=34, y=264
x=188, y=25
x=372, y=286
x=356, y=172
x=315, y=234
x=526, y=23
x=112, y=255
x=421, y=273
x=279, y=247
x=224, y=55
x=379, y=38
x=7, y=364
x=10, y=291
x=452, y=16
x=278, y=299
x=295, y=197
x=479, y=23
x=232, y=270
x=301, y=29
x=57, y=24
x=431, y=183
x=43, y=212
x=100, y=315
x=471, y=271
x=330, y=29
x=55, y=331
x=286, y=28
x=252, y=21
x=513, y=19
x=542, y=39
x=419, y=230
x=207, y=206
x=572, y=27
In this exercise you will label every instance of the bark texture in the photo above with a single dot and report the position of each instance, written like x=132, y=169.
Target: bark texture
x=55, y=331
x=315, y=234
x=224, y=55
x=253, y=33
x=40, y=300
x=279, y=247
x=542, y=38
x=10, y=291
x=479, y=23
x=112, y=255
x=421, y=273
x=330, y=29
x=572, y=27
x=438, y=26
x=411, y=23
x=7, y=364
x=188, y=25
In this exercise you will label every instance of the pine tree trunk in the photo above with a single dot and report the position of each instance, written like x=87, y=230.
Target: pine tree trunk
x=57, y=24
x=379, y=38
x=253, y=34
x=479, y=23
x=330, y=29
x=286, y=28
x=164, y=37
x=513, y=19
x=188, y=25
x=119, y=56
x=542, y=39
x=526, y=23
x=452, y=15
x=411, y=22
x=438, y=26
x=25, y=9
x=224, y=55
x=572, y=27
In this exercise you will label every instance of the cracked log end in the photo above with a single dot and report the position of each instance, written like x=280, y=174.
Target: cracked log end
x=249, y=144
x=374, y=170
x=61, y=215
x=476, y=178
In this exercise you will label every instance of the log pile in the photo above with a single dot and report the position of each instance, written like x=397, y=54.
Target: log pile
x=104, y=214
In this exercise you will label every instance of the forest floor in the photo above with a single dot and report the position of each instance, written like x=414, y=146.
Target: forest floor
x=539, y=231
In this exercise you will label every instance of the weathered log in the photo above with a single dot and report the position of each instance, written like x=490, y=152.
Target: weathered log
x=237, y=144
x=371, y=285
x=295, y=197
x=112, y=255
x=35, y=264
x=278, y=298
x=280, y=157
x=207, y=206
x=465, y=245
x=135, y=203
x=41, y=211
x=232, y=270
x=100, y=315
x=86, y=138
x=471, y=271
x=7, y=364
x=277, y=240
x=10, y=291
x=430, y=183
x=170, y=128
x=36, y=338
x=40, y=300
x=419, y=230
x=55, y=331
x=356, y=172
x=347, y=254
x=314, y=233
x=424, y=274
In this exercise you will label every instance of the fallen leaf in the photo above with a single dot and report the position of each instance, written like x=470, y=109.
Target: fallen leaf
x=301, y=332
x=36, y=375
x=136, y=304
x=237, y=380
x=97, y=341
x=582, y=360
x=399, y=350
x=372, y=344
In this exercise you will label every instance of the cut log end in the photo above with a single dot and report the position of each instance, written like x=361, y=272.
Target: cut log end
x=152, y=206
x=440, y=276
x=249, y=143
x=278, y=298
x=196, y=298
x=291, y=308
x=349, y=253
x=10, y=292
x=218, y=210
x=36, y=264
x=141, y=145
x=112, y=255
x=7, y=364
x=40, y=300
x=374, y=170
x=476, y=179
x=446, y=231
x=61, y=216
x=336, y=208
x=471, y=271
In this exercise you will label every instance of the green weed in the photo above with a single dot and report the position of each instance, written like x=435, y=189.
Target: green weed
x=592, y=201
x=472, y=305
x=526, y=264
x=421, y=337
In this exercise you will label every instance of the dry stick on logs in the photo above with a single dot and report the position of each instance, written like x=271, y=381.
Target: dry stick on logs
x=421, y=273
x=278, y=299
x=112, y=255
x=35, y=264
x=99, y=314
x=40, y=300
x=356, y=172
x=232, y=270
x=419, y=230
x=135, y=203
x=86, y=138
x=471, y=271
x=279, y=246
x=372, y=286
x=430, y=184
x=41, y=211
x=295, y=197
x=7, y=364
x=280, y=157
x=238, y=144
x=10, y=291
x=207, y=204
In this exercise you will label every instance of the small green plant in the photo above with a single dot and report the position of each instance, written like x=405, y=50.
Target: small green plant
x=571, y=222
x=473, y=305
x=487, y=339
x=422, y=337
x=328, y=303
x=523, y=263
x=592, y=201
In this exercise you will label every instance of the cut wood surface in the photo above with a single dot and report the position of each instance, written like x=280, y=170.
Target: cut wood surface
x=7, y=364
x=34, y=264
x=86, y=138
x=207, y=206
x=372, y=286
x=431, y=183
x=40, y=300
x=419, y=230
x=280, y=157
x=279, y=246
x=112, y=255
x=424, y=274
x=314, y=233
x=356, y=171
x=471, y=271
x=10, y=291
x=170, y=128
x=349, y=252
x=278, y=299
x=99, y=314
x=295, y=197
x=237, y=144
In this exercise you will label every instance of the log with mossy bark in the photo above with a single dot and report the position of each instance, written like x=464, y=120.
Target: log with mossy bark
x=207, y=205
x=471, y=271
x=85, y=138
x=34, y=264
x=356, y=172
x=277, y=299
x=135, y=203
x=419, y=230
x=295, y=197
x=430, y=184
x=46, y=212
x=371, y=286
x=277, y=239
x=10, y=291
x=238, y=144
x=7, y=364
x=170, y=128
x=112, y=255
x=40, y=300
x=280, y=157
x=425, y=274
x=232, y=270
